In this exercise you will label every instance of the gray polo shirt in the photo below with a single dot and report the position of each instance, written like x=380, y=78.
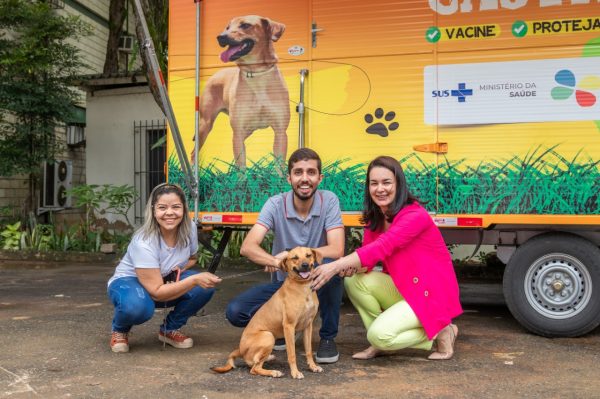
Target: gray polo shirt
x=290, y=230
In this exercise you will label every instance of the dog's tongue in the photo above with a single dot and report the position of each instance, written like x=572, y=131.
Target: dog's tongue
x=226, y=55
x=304, y=275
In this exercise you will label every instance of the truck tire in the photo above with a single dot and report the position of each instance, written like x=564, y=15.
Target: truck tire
x=552, y=285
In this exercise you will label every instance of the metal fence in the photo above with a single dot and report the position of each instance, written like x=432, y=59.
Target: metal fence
x=150, y=156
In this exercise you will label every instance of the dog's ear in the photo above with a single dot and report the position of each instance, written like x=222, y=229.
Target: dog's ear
x=283, y=265
x=275, y=28
x=317, y=255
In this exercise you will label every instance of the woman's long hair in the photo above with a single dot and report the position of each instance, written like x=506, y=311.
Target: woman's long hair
x=151, y=229
x=372, y=216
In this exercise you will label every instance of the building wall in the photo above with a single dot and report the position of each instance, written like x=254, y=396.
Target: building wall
x=95, y=13
x=93, y=47
x=93, y=51
x=77, y=155
x=15, y=190
x=110, y=134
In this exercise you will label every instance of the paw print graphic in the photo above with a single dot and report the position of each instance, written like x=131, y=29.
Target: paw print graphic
x=381, y=128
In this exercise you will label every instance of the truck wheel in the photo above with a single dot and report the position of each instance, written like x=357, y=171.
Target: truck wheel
x=552, y=285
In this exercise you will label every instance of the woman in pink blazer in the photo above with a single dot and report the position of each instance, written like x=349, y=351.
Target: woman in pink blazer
x=410, y=303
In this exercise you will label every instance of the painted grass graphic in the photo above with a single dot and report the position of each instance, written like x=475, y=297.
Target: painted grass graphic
x=542, y=182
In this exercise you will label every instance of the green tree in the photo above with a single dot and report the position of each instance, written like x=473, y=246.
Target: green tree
x=157, y=17
x=117, y=15
x=156, y=14
x=39, y=64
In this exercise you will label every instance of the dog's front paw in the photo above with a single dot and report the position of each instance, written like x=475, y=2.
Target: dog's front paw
x=316, y=369
x=297, y=375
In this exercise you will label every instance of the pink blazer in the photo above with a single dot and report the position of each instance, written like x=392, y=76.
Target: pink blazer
x=414, y=254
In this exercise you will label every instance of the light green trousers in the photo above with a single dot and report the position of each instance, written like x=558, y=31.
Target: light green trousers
x=391, y=324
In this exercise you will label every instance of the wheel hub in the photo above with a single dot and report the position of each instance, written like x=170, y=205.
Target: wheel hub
x=558, y=286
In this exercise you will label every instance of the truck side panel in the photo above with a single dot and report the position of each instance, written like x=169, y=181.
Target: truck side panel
x=490, y=106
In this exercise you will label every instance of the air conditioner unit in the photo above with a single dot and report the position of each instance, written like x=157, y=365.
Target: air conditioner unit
x=126, y=43
x=58, y=178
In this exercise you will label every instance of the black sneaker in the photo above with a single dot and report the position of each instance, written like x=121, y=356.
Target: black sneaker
x=280, y=342
x=327, y=352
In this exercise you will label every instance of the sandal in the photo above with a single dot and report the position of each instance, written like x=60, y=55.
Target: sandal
x=445, y=343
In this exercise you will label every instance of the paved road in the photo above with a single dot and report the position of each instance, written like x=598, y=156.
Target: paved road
x=55, y=325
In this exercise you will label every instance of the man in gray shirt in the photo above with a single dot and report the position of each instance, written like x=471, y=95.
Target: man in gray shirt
x=304, y=217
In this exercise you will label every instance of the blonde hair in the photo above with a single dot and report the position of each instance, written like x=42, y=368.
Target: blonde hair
x=151, y=229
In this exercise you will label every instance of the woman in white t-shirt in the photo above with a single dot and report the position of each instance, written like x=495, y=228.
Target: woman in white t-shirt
x=154, y=272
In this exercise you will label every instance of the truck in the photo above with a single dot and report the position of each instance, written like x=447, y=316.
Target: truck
x=491, y=106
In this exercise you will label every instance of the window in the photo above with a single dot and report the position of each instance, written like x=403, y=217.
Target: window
x=149, y=158
x=75, y=135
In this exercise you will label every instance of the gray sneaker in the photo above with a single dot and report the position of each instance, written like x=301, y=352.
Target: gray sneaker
x=327, y=352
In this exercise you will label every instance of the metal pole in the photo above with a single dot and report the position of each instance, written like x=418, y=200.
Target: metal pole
x=197, y=111
x=148, y=47
x=300, y=109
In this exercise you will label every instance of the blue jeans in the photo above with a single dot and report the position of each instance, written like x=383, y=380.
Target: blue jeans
x=134, y=306
x=241, y=308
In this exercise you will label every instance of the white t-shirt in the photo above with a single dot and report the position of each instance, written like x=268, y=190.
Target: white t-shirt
x=154, y=253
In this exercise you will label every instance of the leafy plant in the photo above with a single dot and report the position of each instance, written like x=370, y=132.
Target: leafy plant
x=232, y=250
x=119, y=199
x=267, y=242
x=40, y=238
x=69, y=239
x=235, y=244
x=79, y=239
x=354, y=238
x=102, y=199
x=88, y=196
x=55, y=237
x=7, y=212
x=204, y=255
x=451, y=248
x=481, y=257
x=11, y=236
x=122, y=240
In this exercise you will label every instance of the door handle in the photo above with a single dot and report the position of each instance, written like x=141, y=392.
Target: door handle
x=436, y=148
x=314, y=30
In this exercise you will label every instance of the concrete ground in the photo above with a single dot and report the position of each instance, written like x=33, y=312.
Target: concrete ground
x=55, y=325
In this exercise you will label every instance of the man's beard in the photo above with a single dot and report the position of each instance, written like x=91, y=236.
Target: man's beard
x=304, y=197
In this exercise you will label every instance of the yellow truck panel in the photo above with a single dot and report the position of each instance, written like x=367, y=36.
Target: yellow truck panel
x=386, y=78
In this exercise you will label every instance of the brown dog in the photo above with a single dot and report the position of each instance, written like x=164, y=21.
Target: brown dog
x=292, y=308
x=254, y=94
